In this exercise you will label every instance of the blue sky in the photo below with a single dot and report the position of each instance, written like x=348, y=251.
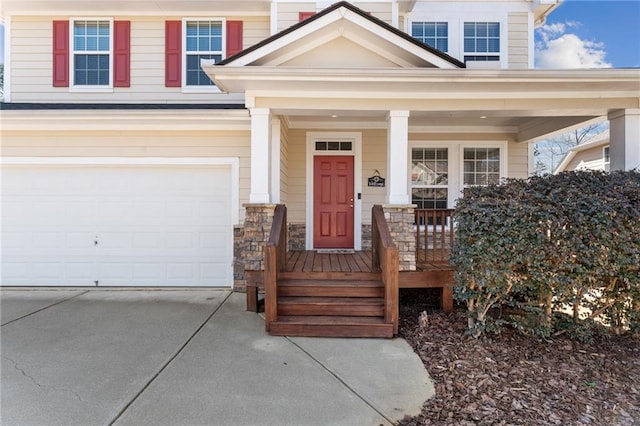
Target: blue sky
x=590, y=34
x=578, y=34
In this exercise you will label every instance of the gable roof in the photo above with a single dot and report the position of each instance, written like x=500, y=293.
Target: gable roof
x=288, y=36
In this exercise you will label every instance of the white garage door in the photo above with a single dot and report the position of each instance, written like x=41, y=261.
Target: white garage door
x=112, y=225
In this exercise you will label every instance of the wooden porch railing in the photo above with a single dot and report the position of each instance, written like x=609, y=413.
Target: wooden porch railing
x=384, y=256
x=275, y=260
x=434, y=235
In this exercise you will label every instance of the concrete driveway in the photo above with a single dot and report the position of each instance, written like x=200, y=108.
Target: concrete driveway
x=188, y=357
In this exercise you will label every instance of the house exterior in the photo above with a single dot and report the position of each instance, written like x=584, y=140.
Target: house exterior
x=592, y=155
x=145, y=143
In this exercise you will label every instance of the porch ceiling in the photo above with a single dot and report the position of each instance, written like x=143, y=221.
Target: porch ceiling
x=526, y=104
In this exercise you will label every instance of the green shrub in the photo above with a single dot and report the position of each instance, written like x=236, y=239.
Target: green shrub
x=563, y=242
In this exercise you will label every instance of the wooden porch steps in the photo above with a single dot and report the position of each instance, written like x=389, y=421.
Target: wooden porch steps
x=331, y=326
x=330, y=288
x=340, y=306
x=330, y=304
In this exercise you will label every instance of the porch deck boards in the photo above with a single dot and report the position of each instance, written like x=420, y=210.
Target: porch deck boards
x=312, y=261
x=345, y=270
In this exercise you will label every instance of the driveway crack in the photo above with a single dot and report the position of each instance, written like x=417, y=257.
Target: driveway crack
x=17, y=367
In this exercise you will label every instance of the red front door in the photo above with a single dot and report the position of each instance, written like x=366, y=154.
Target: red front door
x=333, y=202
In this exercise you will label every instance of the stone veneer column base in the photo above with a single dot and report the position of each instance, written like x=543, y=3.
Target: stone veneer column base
x=297, y=236
x=401, y=220
x=249, y=241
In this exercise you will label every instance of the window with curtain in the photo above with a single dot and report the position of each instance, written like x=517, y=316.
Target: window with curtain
x=430, y=177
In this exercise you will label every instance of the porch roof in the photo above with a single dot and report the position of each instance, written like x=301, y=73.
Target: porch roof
x=529, y=104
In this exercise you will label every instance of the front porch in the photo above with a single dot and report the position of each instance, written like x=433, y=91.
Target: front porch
x=349, y=293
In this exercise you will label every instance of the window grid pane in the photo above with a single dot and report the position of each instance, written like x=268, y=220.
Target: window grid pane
x=482, y=37
x=92, y=70
x=195, y=75
x=203, y=41
x=481, y=166
x=91, y=36
x=334, y=146
x=91, y=45
x=429, y=198
x=434, y=34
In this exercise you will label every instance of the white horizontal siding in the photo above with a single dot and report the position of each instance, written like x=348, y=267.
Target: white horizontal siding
x=518, y=160
x=31, y=63
x=518, y=40
x=284, y=163
x=374, y=157
x=296, y=206
x=288, y=13
x=381, y=11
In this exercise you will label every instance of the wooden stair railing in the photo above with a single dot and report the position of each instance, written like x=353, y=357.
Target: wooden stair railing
x=275, y=259
x=434, y=235
x=384, y=257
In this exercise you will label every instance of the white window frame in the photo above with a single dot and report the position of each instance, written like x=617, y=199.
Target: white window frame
x=447, y=186
x=499, y=54
x=72, y=54
x=502, y=146
x=442, y=21
x=223, y=53
x=456, y=162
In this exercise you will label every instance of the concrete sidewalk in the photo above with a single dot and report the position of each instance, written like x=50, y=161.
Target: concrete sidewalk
x=188, y=357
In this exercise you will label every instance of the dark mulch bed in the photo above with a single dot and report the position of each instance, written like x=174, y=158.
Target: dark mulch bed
x=510, y=379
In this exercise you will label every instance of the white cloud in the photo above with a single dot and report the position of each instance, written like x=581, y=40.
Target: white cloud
x=558, y=48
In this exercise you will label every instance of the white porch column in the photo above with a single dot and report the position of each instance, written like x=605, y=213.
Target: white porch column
x=624, y=139
x=397, y=158
x=275, y=160
x=260, y=133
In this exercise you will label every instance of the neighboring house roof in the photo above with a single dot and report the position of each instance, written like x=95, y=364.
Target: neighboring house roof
x=600, y=140
x=337, y=21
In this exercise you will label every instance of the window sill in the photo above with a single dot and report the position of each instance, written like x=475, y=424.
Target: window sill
x=195, y=89
x=90, y=89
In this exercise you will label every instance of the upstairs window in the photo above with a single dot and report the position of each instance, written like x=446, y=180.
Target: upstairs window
x=481, y=41
x=92, y=50
x=434, y=34
x=203, y=40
